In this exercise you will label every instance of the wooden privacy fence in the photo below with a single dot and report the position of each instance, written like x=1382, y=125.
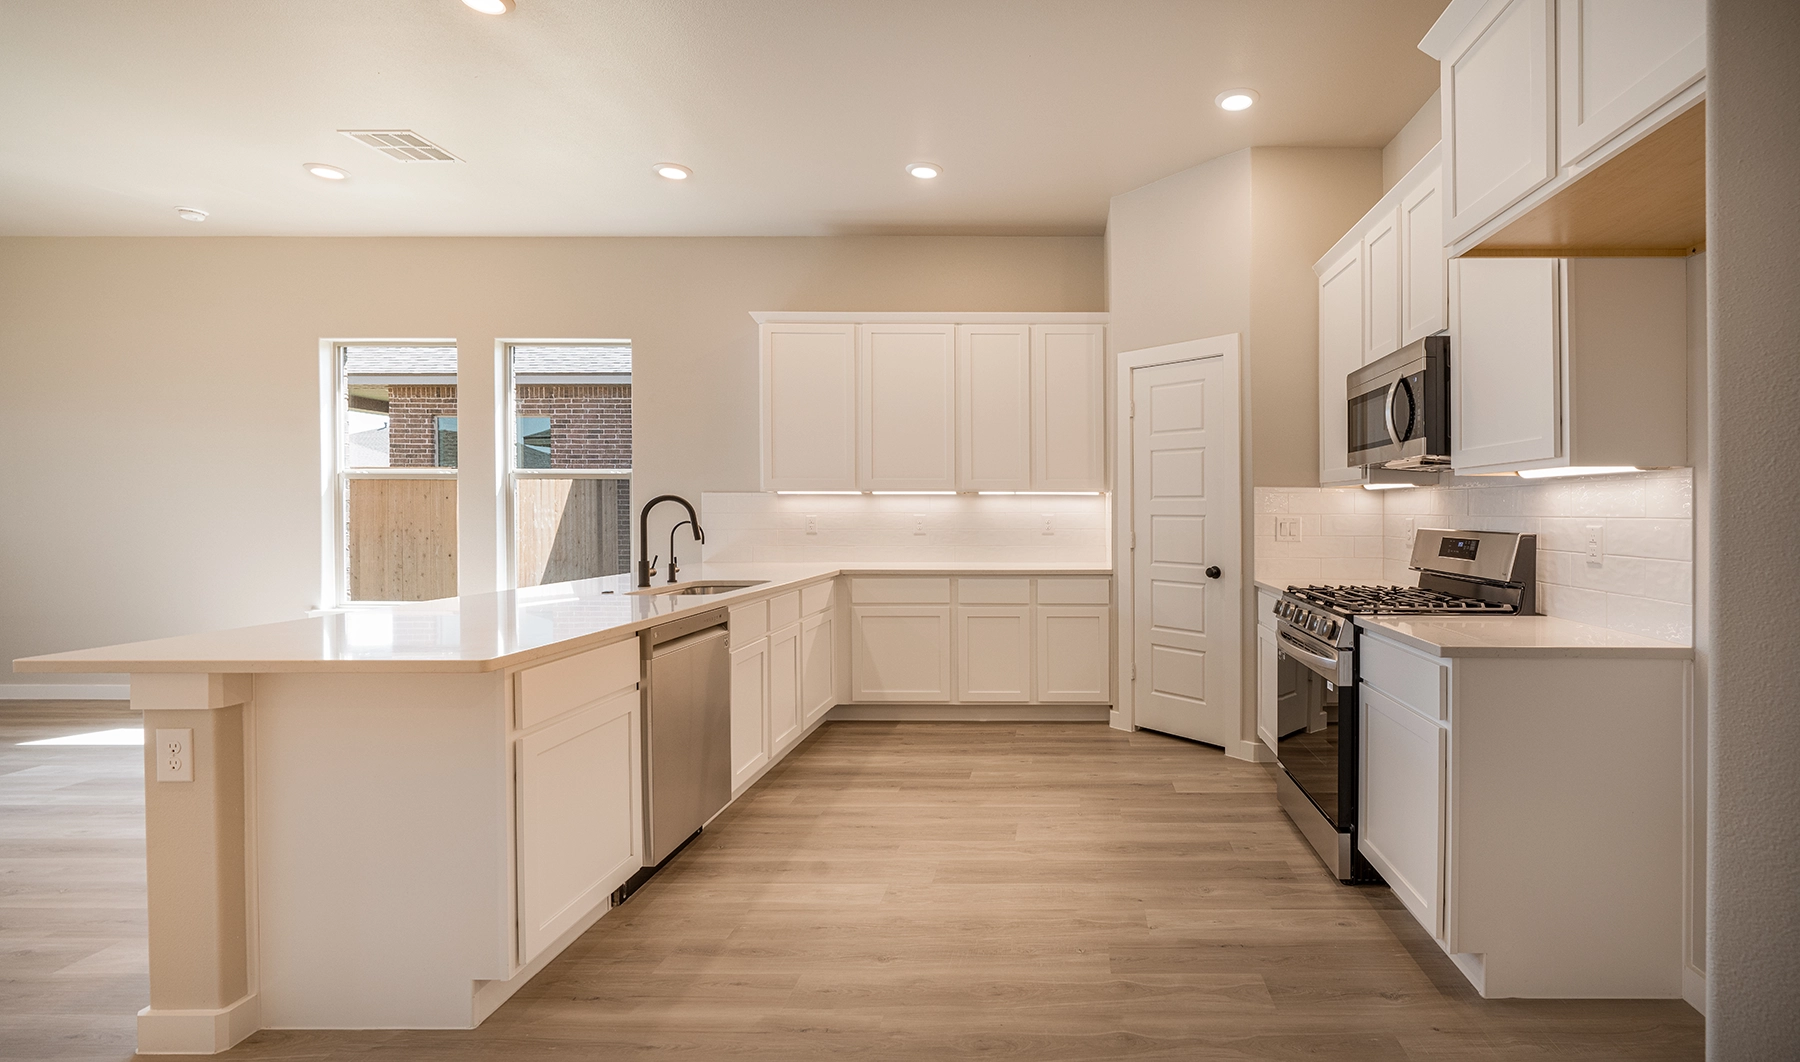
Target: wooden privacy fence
x=402, y=538
x=572, y=528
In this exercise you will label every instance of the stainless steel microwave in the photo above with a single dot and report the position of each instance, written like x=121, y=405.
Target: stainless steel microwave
x=1399, y=408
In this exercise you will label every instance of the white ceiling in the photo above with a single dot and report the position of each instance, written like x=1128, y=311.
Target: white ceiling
x=796, y=116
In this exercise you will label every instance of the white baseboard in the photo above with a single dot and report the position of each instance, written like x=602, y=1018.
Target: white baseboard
x=61, y=691
x=1693, y=988
x=973, y=713
x=197, y=1032
x=1254, y=751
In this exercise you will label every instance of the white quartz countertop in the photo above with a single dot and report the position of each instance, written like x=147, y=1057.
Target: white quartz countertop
x=480, y=632
x=1516, y=636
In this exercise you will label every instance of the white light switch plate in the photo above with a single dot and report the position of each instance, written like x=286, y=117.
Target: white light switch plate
x=1287, y=529
x=812, y=523
x=175, y=754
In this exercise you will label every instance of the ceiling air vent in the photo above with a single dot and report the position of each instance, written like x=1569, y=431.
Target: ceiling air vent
x=401, y=145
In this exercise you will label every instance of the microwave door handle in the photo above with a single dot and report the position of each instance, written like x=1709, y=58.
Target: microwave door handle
x=1387, y=411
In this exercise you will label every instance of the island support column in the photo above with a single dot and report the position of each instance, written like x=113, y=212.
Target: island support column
x=202, y=983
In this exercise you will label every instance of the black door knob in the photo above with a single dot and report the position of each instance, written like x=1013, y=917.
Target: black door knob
x=1213, y=572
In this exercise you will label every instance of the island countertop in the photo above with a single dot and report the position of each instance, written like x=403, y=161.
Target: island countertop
x=479, y=632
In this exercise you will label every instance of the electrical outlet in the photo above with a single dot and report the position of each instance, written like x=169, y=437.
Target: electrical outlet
x=1593, y=543
x=812, y=523
x=918, y=523
x=175, y=754
x=1412, y=535
x=1287, y=529
x=1049, y=525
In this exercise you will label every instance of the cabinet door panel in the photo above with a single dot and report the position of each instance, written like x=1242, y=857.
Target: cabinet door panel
x=1340, y=354
x=1268, y=693
x=1068, y=424
x=1381, y=288
x=1497, y=105
x=818, y=666
x=900, y=653
x=993, y=658
x=785, y=709
x=1618, y=60
x=809, y=407
x=993, y=399
x=1074, y=654
x=1506, y=383
x=1423, y=310
x=749, y=710
x=579, y=817
x=1403, y=795
x=907, y=421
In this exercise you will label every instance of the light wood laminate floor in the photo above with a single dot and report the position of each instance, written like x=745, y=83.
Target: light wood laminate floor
x=890, y=891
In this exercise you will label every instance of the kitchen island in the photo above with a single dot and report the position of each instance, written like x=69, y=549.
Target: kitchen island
x=394, y=816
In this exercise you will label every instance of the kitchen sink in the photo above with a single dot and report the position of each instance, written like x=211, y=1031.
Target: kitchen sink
x=696, y=589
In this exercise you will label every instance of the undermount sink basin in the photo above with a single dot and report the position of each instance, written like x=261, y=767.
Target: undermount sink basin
x=700, y=588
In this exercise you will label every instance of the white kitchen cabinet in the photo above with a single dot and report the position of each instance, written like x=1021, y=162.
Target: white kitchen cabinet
x=1423, y=310
x=906, y=414
x=1074, y=654
x=1381, y=286
x=900, y=653
x=1403, y=803
x=993, y=406
x=1340, y=354
x=749, y=710
x=809, y=436
x=1499, y=112
x=579, y=817
x=818, y=666
x=1576, y=362
x=993, y=653
x=1268, y=679
x=1619, y=60
x=1068, y=403
x=786, y=714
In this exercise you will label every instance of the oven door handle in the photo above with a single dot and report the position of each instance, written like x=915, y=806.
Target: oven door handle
x=1324, y=665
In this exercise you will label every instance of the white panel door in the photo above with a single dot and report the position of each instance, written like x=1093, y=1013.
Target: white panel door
x=1340, y=354
x=993, y=653
x=1381, y=287
x=993, y=407
x=1068, y=423
x=1186, y=581
x=900, y=653
x=906, y=377
x=579, y=817
x=1618, y=60
x=749, y=710
x=1498, y=107
x=1403, y=809
x=809, y=407
x=818, y=665
x=1423, y=267
x=1506, y=388
x=1074, y=654
x=785, y=710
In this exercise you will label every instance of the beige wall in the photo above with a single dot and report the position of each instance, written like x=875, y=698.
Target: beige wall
x=1415, y=138
x=160, y=452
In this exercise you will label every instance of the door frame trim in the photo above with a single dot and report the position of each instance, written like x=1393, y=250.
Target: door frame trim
x=1227, y=347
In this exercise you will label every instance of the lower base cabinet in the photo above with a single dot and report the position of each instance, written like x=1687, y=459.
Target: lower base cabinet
x=818, y=666
x=1074, y=654
x=749, y=710
x=993, y=653
x=785, y=718
x=900, y=653
x=1403, y=803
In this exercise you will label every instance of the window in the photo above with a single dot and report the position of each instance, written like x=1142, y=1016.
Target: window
x=397, y=472
x=571, y=460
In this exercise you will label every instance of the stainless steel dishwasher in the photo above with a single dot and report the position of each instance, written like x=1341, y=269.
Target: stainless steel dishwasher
x=687, y=729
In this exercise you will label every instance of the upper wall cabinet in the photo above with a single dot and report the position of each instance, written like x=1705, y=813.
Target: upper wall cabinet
x=1381, y=286
x=1618, y=60
x=998, y=402
x=809, y=406
x=1499, y=123
x=1423, y=310
x=1340, y=354
x=907, y=412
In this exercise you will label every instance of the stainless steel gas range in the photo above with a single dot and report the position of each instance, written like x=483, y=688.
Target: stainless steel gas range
x=1466, y=573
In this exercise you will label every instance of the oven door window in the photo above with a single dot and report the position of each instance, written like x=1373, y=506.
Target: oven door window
x=1368, y=421
x=1309, y=739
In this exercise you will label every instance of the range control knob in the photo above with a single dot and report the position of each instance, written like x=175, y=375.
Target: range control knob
x=1331, y=629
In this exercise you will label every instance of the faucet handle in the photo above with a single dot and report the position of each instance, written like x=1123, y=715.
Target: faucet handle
x=654, y=557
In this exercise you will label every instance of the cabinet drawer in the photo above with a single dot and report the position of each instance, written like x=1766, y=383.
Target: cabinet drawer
x=749, y=622
x=783, y=610
x=544, y=692
x=816, y=598
x=1414, y=680
x=904, y=591
x=993, y=591
x=1075, y=591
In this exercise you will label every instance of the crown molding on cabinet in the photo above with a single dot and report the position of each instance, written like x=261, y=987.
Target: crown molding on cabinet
x=814, y=317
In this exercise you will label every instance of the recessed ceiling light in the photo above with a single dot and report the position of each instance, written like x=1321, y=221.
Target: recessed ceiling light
x=673, y=172
x=1235, y=99
x=490, y=7
x=190, y=213
x=924, y=171
x=329, y=173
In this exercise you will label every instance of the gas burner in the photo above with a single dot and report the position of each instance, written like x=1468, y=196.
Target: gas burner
x=1394, y=600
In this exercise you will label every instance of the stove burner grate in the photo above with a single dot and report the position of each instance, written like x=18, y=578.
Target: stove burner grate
x=1395, y=600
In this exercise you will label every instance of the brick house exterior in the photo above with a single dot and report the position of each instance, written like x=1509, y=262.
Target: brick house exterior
x=590, y=424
